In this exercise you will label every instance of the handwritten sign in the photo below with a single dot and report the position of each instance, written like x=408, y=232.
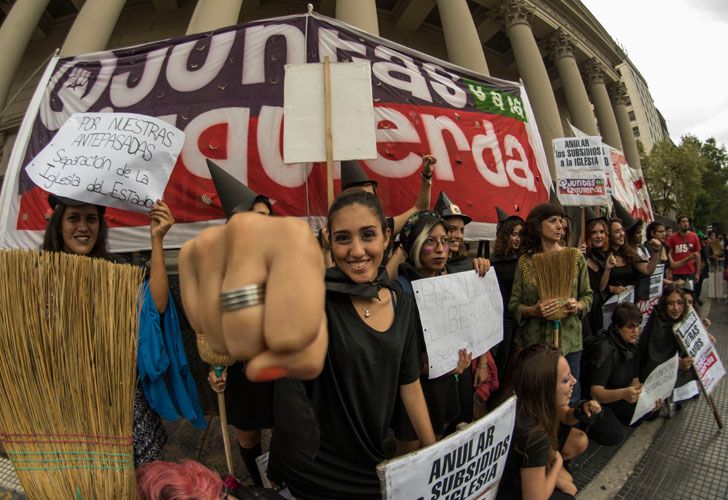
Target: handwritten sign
x=120, y=160
x=659, y=385
x=352, y=113
x=609, y=305
x=691, y=333
x=655, y=291
x=686, y=391
x=460, y=310
x=467, y=464
x=580, y=171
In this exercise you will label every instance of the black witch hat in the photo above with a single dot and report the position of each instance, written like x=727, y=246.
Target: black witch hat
x=592, y=214
x=54, y=201
x=353, y=175
x=446, y=208
x=503, y=216
x=234, y=195
x=628, y=222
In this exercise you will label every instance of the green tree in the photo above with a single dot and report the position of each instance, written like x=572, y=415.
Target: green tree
x=711, y=207
x=674, y=175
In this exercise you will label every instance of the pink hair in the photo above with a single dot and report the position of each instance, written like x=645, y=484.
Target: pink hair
x=172, y=481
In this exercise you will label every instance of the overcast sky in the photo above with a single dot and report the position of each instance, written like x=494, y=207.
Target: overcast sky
x=679, y=47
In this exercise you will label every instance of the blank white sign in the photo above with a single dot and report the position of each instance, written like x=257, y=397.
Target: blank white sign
x=352, y=113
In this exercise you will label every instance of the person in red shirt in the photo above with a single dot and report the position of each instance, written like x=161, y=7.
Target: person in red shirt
x=685, y=253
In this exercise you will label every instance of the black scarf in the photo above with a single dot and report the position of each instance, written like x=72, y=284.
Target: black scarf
x=598, y=256
x=338, y=281
x=627, y=351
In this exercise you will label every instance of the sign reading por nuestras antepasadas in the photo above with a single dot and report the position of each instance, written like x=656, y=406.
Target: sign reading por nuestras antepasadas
x=658, y=386
x=467, y=464
x=460, y=310
x=120, y=160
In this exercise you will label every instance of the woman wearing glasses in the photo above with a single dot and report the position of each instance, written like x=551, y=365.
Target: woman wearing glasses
x=425, y=240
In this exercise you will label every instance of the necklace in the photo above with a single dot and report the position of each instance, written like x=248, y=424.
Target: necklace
x=366, y=309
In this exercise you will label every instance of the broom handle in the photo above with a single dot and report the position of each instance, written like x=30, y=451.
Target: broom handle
x=223, y=424
x=557, y=327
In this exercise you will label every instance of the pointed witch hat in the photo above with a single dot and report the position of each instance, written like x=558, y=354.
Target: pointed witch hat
x=592, y=214
x=628, y=222
x=554, y=199
x=446, y=208
x=353, y=175
x=234, y=195
x=503, y=215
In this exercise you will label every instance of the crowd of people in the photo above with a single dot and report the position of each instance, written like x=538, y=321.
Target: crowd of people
x=333, y=356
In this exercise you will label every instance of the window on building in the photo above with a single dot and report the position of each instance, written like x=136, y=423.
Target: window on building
x=636, y=131
x=631, y=116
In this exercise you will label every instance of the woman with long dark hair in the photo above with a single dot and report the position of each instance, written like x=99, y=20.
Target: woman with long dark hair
x=371, y=359
x=544, y=385
x=543, y=232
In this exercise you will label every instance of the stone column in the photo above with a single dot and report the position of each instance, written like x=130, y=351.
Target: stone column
x=532, y=70
x=8, y=143
x=92, y=27
x=15, y=34
x=600, y=98
x=618, y=92
x=461, y=36
x=562, y=47
x=213, y=14
x=359, y=13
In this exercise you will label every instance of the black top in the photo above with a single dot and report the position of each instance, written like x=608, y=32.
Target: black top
x=657, y=343
x=593, y=321
x=459, y=265
x=353, y=400
x=505, y=271
x=613, y=364
x=531, y=448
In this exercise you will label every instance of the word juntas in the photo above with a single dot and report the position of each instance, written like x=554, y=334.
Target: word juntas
x=501, y=160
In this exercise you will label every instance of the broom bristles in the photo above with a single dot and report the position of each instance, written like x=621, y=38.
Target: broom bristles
x=68, y=338
x=554, y=273
x=208, y=355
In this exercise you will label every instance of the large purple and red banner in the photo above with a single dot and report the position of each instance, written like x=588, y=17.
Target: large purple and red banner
x=225, y=91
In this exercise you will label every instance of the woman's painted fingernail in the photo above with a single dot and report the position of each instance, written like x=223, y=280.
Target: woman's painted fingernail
x=271, y=373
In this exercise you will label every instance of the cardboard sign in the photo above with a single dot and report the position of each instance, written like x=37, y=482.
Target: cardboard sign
x=691, y=333
x=659, y=385
x=580, y=177
x=609, y=305
x=460, y=310
x=352, y=113
x=467, y=464
x=686, y=391
x=120, y=160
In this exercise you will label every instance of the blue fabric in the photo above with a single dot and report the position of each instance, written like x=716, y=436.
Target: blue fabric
x=162, y=364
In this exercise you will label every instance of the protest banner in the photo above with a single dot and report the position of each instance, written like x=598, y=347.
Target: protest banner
x=693, y=336
x=611, y=303
x=467, y=464
x=628, y=186
x=658, y=386
x=655, y=291
x=460, y=310
x=580, y=179
x=225, y=90
x=120, y=160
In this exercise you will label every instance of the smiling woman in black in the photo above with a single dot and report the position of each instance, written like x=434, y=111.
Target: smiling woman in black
x=371, y=358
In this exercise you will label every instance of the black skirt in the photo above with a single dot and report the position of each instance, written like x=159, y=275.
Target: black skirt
x=249, y=404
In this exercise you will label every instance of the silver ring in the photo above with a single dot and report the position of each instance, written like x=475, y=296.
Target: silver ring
x=240, y=298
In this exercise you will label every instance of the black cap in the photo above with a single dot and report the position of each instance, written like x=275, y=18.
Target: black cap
x=55, y=200
x=414, y=227
x=353, y=175
x=503, y=216
x=628, y=222
x=446, y=208
x=234, y=195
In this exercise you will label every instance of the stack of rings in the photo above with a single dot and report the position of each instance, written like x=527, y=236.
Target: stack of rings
x=240, y=298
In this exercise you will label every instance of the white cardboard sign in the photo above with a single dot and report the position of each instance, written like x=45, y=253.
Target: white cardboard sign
x=467, y=464
x=694, y=337
x=120, y=160
x=352, y=113
x=609, y=305
x=580, y=167
x=460, y=310
x=659, y=385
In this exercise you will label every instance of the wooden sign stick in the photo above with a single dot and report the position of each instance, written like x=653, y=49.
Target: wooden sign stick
x=329, y=137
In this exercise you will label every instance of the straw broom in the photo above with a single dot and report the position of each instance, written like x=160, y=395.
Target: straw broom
x=218, y=362
x=68, y=338
x=554, y=273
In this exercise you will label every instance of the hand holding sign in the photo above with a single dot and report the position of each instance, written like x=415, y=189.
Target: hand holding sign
x=121, y=160
x=161, y=220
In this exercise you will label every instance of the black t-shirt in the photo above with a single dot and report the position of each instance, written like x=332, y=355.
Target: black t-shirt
x=353, y=399
x=531, y=448
x=505, y=271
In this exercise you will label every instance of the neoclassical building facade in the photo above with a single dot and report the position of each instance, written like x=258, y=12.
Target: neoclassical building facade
x=571, y=68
